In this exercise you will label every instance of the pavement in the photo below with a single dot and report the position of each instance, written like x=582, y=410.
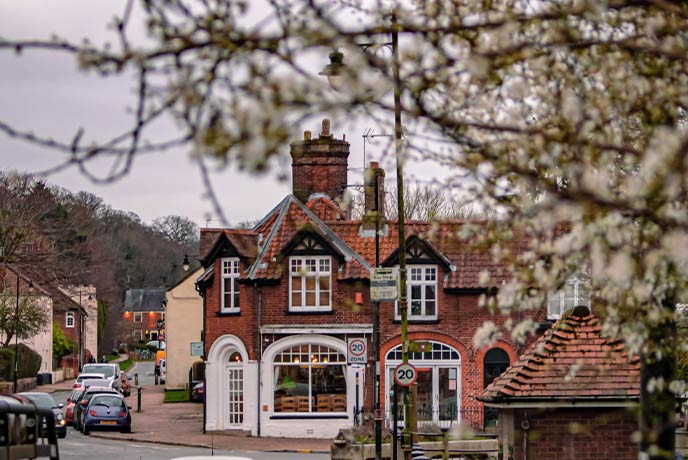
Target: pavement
x=181, y=424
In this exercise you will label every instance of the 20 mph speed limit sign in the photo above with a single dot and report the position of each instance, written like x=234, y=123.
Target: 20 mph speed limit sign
x=357, y=351
x=405, y=374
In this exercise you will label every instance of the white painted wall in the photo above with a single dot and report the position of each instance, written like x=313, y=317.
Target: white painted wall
x=42, y=343
x=183, y=325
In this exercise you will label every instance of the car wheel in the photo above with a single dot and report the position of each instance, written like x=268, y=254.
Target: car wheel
x=126, y=430
x=86, y=431
x=62, y=435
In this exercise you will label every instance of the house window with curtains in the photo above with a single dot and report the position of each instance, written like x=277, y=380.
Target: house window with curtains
x=421, y=292
x=310, y=285
x=230, y=285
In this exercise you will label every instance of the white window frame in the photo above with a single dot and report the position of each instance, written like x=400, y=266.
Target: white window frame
x=138, y=317
x=138, y=334
x=229, y=270
x=322, y=267
x=411, y=271
x=70, y=319
x=565, y=302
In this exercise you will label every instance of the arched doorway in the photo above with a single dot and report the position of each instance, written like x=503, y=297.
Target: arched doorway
x=496, y=361
x=439, y=382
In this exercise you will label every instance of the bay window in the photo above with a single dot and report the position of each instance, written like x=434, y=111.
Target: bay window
x=309, y=378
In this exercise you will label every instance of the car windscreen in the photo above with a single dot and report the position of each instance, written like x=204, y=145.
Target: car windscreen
x=108, y=370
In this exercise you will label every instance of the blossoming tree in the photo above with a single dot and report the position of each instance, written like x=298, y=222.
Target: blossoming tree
x=565, y=117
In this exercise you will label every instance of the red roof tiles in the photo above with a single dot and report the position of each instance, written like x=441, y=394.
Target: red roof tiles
x=571, y=361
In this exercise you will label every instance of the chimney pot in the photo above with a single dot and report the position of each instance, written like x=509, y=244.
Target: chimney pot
x=374, y=164
x=325, y=128
x=306, y=135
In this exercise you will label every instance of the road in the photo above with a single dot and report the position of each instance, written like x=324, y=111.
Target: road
x=79, y=447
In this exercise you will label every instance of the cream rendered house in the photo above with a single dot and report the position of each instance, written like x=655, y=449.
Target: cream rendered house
x=183, y=324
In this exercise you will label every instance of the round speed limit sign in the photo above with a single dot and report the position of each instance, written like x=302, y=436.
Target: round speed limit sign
x=405, y=374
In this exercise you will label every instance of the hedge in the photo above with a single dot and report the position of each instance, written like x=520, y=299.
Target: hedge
x=28, y=366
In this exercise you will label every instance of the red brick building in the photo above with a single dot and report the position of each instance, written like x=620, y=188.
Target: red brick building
x=282, y=299
x=571, y=396
x=144, y=315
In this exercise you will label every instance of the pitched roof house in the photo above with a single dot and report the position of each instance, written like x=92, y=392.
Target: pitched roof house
x=144, y=315
x=569, y=396
x=282, y=299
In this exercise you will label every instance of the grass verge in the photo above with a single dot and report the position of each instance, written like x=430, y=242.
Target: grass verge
x=174, y=396
x=126, y=364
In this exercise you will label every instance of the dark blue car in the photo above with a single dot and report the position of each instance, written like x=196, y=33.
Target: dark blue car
x=107, y=412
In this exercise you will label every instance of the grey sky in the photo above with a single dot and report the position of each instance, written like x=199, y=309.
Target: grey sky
x=45, y=93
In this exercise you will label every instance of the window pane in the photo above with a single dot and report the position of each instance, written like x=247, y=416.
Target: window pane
x=310, y=283
x=569, y=298
x=583, y=294
x=310, y=299
x=324, y=282
x=296, y=299
x=430, y=307
x=324, y=298
x=415, y=292
x=553, y=304
x=296, y=283
x=416, y=308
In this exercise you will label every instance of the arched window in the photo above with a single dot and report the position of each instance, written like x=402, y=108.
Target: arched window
x=235, y=357
x=310, y=378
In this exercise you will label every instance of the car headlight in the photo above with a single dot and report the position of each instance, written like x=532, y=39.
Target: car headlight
x=60, y=416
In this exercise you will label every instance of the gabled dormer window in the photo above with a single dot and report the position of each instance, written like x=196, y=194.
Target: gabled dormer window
x=576, y=292
x=421, y=292
x=230, y=285
x=310, y=283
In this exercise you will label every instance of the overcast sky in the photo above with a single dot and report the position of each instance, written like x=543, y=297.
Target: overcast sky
x=44, y=92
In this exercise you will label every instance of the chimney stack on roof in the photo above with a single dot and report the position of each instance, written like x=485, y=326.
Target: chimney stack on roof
x=372, y=176
x=319, y=165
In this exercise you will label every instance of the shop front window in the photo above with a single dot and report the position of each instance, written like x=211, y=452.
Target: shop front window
x=310, y=378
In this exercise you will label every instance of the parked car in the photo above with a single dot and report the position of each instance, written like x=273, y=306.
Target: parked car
x=107, y=411
x=163, y=370
x=126, y=384
x=69, y=407
x=83, y=401
x=197, y=392
x=111, y=371
x=46, y=401
x=87, y=376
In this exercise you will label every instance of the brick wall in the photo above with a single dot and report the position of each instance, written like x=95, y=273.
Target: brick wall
x=577, y=434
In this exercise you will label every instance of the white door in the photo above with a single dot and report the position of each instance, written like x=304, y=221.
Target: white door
x=235, y=394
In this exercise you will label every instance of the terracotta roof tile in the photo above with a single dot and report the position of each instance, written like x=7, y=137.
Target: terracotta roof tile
x=571, y=361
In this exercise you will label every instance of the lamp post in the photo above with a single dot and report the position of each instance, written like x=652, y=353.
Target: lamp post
x=333, y=71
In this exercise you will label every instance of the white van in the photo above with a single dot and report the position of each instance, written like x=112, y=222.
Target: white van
x=110, y=370
x=163, y=370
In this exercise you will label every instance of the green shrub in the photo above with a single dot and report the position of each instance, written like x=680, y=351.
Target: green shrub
x=62, y=345
x=28, y=365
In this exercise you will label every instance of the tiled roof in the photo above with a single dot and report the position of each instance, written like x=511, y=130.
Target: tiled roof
x=571, y=361
x=144, y=300
x=266, y=241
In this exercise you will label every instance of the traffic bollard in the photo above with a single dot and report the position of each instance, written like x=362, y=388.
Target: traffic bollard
x=136, y=379
x=138, y=399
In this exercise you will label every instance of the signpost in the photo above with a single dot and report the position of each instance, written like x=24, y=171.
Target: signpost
x=196, y=348
x=357, y=351
x=405, y=374
x=384, y=284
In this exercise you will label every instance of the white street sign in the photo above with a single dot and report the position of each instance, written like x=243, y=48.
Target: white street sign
x=384, y=284
x=405, y=374
x=357, y=351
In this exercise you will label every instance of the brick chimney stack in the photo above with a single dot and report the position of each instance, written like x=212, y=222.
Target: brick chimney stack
x=374, y=174
x=319, y=165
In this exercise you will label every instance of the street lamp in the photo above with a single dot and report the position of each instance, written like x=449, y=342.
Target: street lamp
x=334, y=72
